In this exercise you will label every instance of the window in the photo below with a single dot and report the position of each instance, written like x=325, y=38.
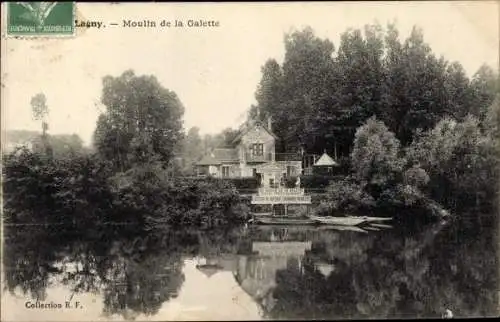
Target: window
x=290, y=170
x=257, y=149
x=225, y=171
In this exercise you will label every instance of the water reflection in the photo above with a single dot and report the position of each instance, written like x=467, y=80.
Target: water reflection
x=267, y=272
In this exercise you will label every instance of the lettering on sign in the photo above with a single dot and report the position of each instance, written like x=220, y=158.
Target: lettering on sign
x=281, y=200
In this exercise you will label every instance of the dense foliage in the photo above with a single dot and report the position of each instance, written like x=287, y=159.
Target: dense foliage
x=321, y=94
x=142, y=121
x=161, y=200
x=462, y=163
x=55, y=191
x=454, y=165
x=84, y=191
x=418, y=132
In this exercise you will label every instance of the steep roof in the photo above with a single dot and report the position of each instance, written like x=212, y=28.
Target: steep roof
x=225, y=154
x=208, y=269
x=325, y=268
x=325, y=160
x=249, y=127
x=219, y=155
x=208, y=160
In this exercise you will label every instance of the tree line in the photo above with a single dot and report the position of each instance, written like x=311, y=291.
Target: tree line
x=321, y=93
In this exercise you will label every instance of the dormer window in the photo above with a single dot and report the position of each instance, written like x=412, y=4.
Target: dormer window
x=257, y=149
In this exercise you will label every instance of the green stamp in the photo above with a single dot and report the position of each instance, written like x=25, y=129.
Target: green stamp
x=40, y=18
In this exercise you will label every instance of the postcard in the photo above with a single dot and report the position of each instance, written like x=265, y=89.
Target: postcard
x=250, y=161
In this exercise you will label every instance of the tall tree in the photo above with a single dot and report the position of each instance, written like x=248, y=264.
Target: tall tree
x=269, y=93
x=416, y=85
x=40, y=109
x=458, y=93
x=307, y=76
x=142, y=121
x=485, y=85
x=40, y=112
x=317, y=101
x=192, y=149
x=360, y=87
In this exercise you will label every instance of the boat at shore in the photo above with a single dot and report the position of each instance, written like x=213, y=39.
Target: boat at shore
x=283, y=221
x=349, y=220
x=269, y=219
x=341, y=228
x=339, y=221
x=261, y=214
x=381, y=226
x=373, y=219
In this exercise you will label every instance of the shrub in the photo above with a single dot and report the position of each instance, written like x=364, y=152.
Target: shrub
x=317, y=182
x=68, y=191
x=461, y=161
x=161, y=200
x=348, y=195
x=324, y=208
x=375, y=155
x=290, y=182
x=243, y=183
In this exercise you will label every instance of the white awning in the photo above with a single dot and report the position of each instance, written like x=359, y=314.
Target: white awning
x=325, y=161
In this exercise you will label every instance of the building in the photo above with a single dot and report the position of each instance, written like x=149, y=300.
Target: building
x=325, y=165
x=13, y=139
x=252, y=151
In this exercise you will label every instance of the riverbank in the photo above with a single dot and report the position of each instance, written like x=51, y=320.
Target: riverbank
x=86, y=191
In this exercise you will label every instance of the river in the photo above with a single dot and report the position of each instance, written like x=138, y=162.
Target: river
x=249, y=273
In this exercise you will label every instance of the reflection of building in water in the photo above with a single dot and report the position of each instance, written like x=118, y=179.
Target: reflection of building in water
x=257, y=263
x=211, y=265
x=256, y=272
x=324, y=268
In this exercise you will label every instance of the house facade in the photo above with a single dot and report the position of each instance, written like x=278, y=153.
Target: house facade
x=252, y=154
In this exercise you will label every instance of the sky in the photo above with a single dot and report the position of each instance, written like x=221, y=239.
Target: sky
x=213, y=70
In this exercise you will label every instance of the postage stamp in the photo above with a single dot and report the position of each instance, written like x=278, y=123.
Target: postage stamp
x=40, y=18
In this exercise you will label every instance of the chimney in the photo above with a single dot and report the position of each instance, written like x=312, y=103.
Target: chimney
x=269, y=123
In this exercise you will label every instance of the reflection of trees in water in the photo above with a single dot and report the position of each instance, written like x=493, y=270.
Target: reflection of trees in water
x=383, y=276
x=134, y=275
x=142, y=286
x=308, y=293
x=213, y=243
x=28, y=261
x=336, y=274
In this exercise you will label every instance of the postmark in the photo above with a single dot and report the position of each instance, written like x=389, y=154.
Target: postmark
x=36, y=19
